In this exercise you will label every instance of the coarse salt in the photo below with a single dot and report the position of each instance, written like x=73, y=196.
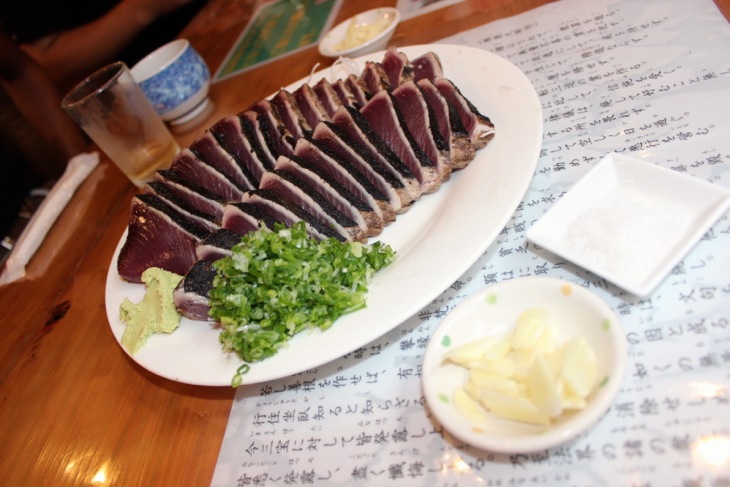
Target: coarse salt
x=627, y=233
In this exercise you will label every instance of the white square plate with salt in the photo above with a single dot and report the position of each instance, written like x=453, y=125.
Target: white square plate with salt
x=630, y=221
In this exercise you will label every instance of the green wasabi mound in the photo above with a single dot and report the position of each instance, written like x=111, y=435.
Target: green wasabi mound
x=278, y=283
x=156, y=313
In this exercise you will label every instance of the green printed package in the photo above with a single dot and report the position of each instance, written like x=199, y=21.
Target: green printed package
x=156, y=313
x=276, y=284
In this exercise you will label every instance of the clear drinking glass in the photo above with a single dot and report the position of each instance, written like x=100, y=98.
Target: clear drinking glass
x=111, y=108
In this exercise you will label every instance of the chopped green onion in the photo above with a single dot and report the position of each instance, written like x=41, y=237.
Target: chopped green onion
x=278, y=283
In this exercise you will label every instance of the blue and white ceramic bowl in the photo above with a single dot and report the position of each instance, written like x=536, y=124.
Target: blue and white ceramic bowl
x=176, y=80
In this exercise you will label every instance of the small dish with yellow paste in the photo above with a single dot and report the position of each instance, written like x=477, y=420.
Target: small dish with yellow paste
x=364, y=33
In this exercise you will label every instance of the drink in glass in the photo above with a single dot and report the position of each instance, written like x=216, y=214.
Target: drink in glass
x=111, y=108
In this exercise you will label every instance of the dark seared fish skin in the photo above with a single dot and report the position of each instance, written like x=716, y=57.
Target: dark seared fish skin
x=158, y=236
x=385, y=120
x=345, y=95
x=180, y=204
x=310, y=106
x=344, y=173
x=192, y=295
x=257, y=130
x=289, y=185
x=198, y=197
x=332, y=138
x=229, y=133
x=359, y=211
x=287, y=212
x=281, y=138
x=352, y=123
x=208, y=148
x=449, y=126
x=481, y=129
x=327, y=96
x=242, y=218
x=409, y=99
x=193, y=169
x=290, y=114
x=217, y=245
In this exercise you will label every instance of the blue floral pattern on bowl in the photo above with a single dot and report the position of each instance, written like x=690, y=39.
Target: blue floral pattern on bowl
x=178, y=82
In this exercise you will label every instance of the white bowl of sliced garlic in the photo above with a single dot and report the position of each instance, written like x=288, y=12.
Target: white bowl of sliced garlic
x=363, y=33
x=524, y=365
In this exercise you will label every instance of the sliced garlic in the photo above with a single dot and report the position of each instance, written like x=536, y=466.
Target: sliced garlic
x=580, y=367
x=504, y=366
x=573, y=402
x=530, y=328
x=517, y=408
x=468, y=407
x=525, y=376
x=484, y=379
x=470, y=352
x=542, y=389
x=500, y=349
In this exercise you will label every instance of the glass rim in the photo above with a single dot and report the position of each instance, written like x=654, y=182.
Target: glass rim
x=93, y=84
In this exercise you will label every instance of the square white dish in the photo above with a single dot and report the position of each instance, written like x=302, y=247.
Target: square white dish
x=630, y=221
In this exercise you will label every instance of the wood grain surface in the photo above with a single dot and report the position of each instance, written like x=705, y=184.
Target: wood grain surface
x=74, y=409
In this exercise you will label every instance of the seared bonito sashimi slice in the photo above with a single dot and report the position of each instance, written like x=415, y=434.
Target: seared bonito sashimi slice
x=158, y=236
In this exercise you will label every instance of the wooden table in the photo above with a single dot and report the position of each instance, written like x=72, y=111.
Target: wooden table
x=75, y=410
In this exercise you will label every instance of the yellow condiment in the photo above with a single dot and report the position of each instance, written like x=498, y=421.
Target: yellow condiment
x=360, y=33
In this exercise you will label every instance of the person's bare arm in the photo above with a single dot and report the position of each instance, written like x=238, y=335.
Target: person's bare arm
x=38, y=100
x=70, y=56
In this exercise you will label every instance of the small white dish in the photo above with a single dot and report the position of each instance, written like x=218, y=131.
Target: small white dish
x=493, y=311
x=379, y=21
x=630, y=221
